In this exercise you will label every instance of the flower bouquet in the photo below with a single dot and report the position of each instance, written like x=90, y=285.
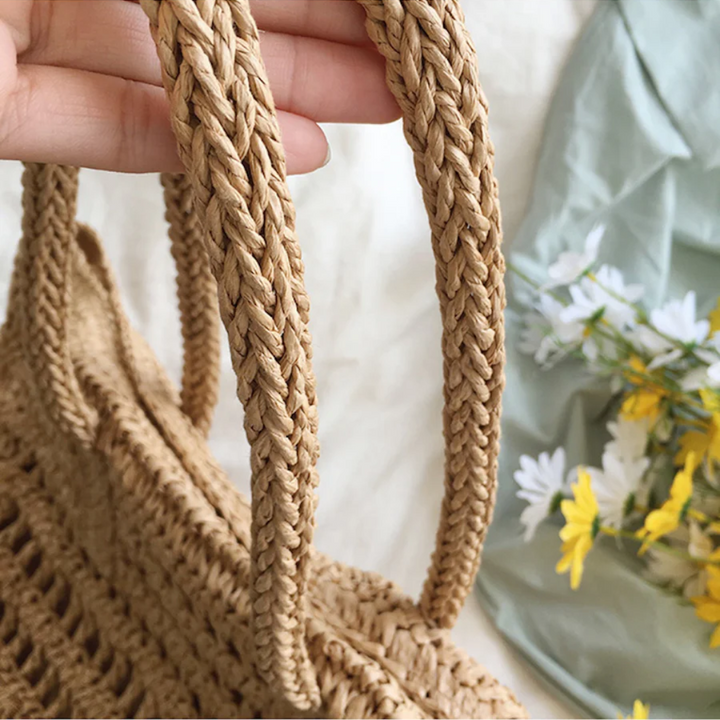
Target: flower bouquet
x=657, y=492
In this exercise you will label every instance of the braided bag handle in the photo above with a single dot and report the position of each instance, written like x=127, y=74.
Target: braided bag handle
x=224, y=118
x=197, y=293
x=41, y=294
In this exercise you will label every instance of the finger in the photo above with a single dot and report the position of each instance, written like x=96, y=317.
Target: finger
x=110, y=37
x=335, y=20
x=73, y=117
x=305, y=144
x=341, y=21
x=327, y=81
x=322, y=80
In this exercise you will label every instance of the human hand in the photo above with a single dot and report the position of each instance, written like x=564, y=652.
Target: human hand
x=80, y=81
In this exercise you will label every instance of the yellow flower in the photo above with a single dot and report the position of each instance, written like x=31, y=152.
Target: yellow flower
x=701, y=443
x=707, y=607
x=640, y=712
x=714, y=318
x=640, y=404
x=582, y=524
x=646, y=400
x=711, y=400
x=667, y=518
x=714, y=528
x=706, y=441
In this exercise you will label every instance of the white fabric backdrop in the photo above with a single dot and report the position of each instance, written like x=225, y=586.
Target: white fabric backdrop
x=374, y=317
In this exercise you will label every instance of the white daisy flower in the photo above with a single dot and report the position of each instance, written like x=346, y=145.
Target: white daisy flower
x=541, y=482
x=630, y=438
x=677, y=572
x=537, y=339
x=552, y=310
x=571, y=333
x=617, y=486
x=606, y=293
x=699, y=377
x=676, y=322
x=713, y=375
x=547, y=336
x=571, y=265
x=702, y=377
x=677, y=319
x=695, y=379
x=709, y=352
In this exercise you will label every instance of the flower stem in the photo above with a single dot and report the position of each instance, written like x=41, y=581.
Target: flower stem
x=612, y=532
x=533, y=283
x=651, y=381
x=700, y=516
x=641, y=319
x=616, y=337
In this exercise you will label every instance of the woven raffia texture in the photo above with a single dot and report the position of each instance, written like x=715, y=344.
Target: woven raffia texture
x=134, y=579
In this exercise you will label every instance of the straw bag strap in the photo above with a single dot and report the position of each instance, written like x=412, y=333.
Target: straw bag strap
x=197, y=299
x=41, y=282
x=224, y=118
x=40, y=292
x=223, y=115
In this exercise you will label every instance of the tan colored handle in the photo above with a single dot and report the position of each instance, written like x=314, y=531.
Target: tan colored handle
x=41, y=279
x=40, y=292
x=432, y=71
x=197, y=299
x=229, y=142
x=224, y=118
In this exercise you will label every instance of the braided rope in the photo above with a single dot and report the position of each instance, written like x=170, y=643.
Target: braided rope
x=197, y=298
x=432, y=71
x=40, y=295
x=40, y=290
x=224, y=119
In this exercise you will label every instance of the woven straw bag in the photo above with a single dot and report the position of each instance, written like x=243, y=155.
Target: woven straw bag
x=134, y=580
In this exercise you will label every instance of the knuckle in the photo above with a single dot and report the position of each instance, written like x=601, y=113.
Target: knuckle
x=297, y=76
x=134, y=126
x=41, y=23
x=15, y=105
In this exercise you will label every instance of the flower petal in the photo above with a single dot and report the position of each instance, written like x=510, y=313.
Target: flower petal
x=592, y=242
x=574, y=530
x=715, y=638
x=665, y=359
x=708, y=611
x=564, y=564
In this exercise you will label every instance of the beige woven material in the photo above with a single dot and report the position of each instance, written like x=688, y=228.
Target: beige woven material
x=134, y=580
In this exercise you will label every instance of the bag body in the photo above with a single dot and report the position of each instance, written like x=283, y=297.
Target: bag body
x=135, y=581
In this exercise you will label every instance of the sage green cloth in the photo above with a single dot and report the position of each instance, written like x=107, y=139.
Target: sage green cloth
x=632, y=141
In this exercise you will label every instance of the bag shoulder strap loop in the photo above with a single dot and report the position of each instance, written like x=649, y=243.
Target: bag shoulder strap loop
x=224, y=119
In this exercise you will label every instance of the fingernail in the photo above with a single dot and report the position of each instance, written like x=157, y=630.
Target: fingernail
x=328, y=157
